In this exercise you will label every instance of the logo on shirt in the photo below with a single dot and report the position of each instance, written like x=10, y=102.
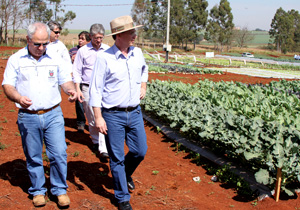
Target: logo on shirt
x=51, y=73
x=51, y=77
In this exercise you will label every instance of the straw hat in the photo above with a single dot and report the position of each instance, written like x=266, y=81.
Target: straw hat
x=122, y=24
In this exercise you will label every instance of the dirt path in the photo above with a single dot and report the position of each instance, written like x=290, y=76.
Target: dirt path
x=164, y=180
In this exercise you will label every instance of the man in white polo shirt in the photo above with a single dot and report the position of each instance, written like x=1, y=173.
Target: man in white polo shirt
x=31, y=80
x=55, y=44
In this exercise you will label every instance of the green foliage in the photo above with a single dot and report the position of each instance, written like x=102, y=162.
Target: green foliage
x=262, y=176
x=5, y=120
x=155, y=19
x=153, y=188
x=285, y=30
x=187, y=19
x=158, y=129
x=45, y=157
x=2, y=146
x=226, y=176
x=41, y=10
x=220, y=25
x=258, y=125
x=76, y=154
x=138, y=13
x=155, y=172
x=243, y=37
x=158, y=67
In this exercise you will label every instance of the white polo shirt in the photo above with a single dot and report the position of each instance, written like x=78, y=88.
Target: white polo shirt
x=59, y=48
x=38, y=80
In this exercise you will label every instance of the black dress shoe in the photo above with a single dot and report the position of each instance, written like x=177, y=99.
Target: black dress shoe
x=95, y=148
x=130, y=184
x=104, y=155
x=125, y=206
x=80, y=128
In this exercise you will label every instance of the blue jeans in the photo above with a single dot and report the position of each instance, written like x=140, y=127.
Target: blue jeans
x=124, y=126
x=48, y=128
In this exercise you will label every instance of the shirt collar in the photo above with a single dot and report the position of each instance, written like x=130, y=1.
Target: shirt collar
x=90, y=46
x=118, y=52
x=56, y=41
x=28, y=54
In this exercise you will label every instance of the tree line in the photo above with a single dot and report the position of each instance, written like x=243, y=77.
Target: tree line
x=285, y=29
x=191, y=22
x=14, y=14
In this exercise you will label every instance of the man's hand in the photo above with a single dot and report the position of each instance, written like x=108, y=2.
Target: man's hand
x=101, y=125
x=13, y=95
x=25, y=102
x=80, y=96
x=79, y=92
x=72, y=95
x=143, y=93
x=143, y=90
x=99, y=121
x=73, y=58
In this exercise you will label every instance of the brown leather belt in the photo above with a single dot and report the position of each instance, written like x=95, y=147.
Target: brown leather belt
x=43, y=111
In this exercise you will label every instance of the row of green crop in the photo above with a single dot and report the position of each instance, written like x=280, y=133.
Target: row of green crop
x=234, y=63
x=247, y=64
x=159, y=67
x=259, y=126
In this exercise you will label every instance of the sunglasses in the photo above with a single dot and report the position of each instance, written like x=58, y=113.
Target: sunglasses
x=56, y=32
x=39, y=44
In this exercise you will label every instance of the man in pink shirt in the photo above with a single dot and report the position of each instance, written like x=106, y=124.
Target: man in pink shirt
x=83, y=67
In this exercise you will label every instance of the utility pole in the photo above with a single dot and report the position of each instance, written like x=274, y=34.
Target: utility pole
x=168, y=32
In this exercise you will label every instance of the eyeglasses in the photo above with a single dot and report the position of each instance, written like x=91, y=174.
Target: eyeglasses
x=97, y=36
x=56, y=32
x=39, y=44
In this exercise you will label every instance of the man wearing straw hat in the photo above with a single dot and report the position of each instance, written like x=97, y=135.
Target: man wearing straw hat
x=118, y=84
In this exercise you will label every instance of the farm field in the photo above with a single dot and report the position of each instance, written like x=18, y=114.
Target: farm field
x=164, y=180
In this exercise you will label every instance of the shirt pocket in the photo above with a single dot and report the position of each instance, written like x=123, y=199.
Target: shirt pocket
x=50, y=74
x=118, y=73
x=26, y=73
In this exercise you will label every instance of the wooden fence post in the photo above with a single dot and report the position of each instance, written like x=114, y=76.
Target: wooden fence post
x=278, y=184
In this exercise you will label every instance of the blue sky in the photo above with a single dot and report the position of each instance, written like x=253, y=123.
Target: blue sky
x=246, y=13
